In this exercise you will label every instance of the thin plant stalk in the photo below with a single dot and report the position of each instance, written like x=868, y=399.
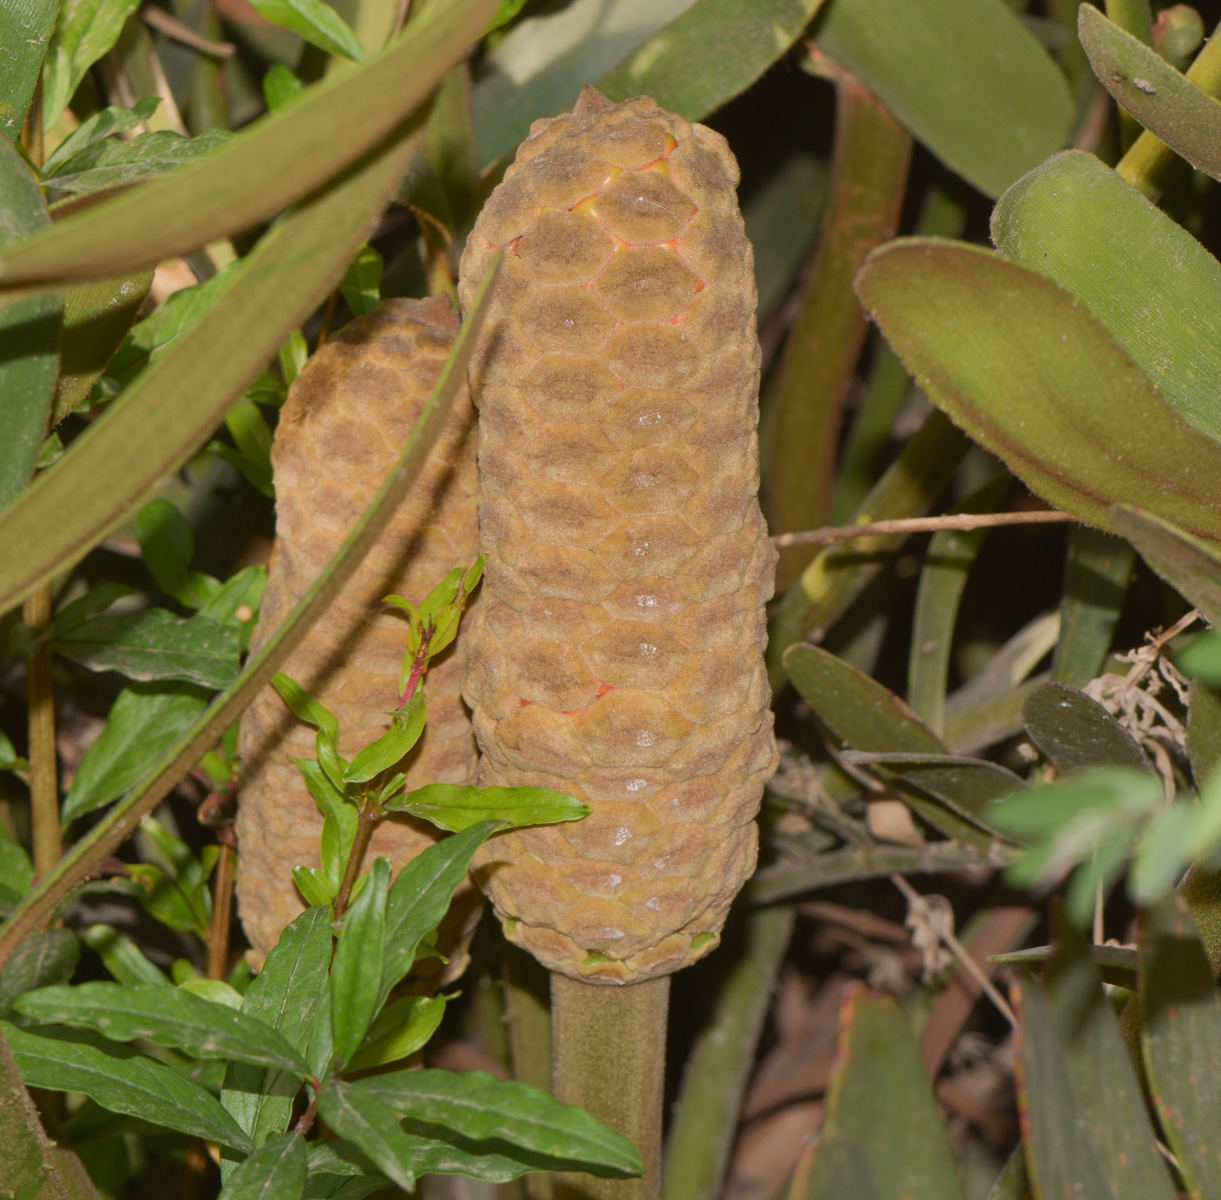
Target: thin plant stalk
x=44, y=772
x=869, y=179
x=222, y=913
x=528, y=1022
x=609, y=1056
x=122, y=820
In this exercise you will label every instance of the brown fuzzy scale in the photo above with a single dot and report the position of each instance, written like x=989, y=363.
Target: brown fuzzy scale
x=618, y=654
x=345, y=421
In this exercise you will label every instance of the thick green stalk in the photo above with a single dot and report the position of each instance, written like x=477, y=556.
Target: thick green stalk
x=841, y=572
x=44, y=772
x=528, y=1024
x=869, y=177
x=1150, y=165
x=609, y=1053
x=710, y=1100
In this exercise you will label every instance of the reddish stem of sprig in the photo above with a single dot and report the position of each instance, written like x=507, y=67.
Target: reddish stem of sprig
x=418, y=666
x=370, y=814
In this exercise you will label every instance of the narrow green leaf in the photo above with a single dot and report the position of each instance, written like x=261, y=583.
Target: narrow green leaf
x=104, y=124
x=276, y=1171
x=401, y=1029
x=86, y=30
x=167, y=546
x=121, y=1080
x=16, y=867
x=318, y=23
x=1075, y=731
x=484, y=1108
x=1111, y=1105
x=314, y=886
x=42, y=959
x=709, y=54
x=1154, y=288
x=1185, y=562
x=1114, y=964
x=456, y=806
x=145, y=720
x=420, y=897
x=1182, y=1041
x=880, y=1097
x=390, y=748
x=1204, y=730
x=358, y=964
x=112, y=164
x=1096, y=576
x=173, y=1018
x=122, y=957
x=361, y=284
x=285, y=156
x=369, y=1123
x=283, y=996
x=966, y=77
x=29, y=335
x=304, y=707
x=1016, y=361
x=25, y=29
x=155, y=644
x=1163, y=100
x=840, y=1169
x=280, y=85
x=1063, y=1157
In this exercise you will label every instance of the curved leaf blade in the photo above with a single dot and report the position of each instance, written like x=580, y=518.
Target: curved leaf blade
x=276, y=1171
x=1185, y=562
x=457, y=806
x=1016, y=362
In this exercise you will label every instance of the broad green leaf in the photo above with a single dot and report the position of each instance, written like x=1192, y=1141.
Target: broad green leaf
x=401, y=1028
x=104, y=124
x=543, y=62
x=1182, y=1041
x=145, y=720
x=29, y=335
x=25, y=28
x=947, y=563
x=449, y=146
x=163, y=897
x=42, y=959
x=880, y=1097
x=362, y=282
x=29, y=1159
x=1016, y=361
x=709, y=54
x=1063, y=1156
x=304, y=707
x=276, y=1171
x=285, y=156
x=1111, y=1105
x=1096, y=576
x=371, y=1125
x=1185, y=562
x=1164, y=853
x=390, y=748
x=840, y=1169
x=315, y=887
x=155, y=645
x=1075, y=731
x=167, y=546
x=284, y=996
x=420, y=897
x=358, y=964
x=97, y=316
x=112, y=164
x=166, y=1017
x=1154, y=288
x=1164, y=101
x=16, y=868
x=484, y=1108
x=966, y=77
x=339, y=1160
x=864, y=715
x=317, y=22
x=1046, y=810
x=85, y=31
x=456, y=806
x=121, y=1080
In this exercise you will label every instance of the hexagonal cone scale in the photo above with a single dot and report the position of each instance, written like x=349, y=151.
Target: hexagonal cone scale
x=345, y=420
x=618, y=652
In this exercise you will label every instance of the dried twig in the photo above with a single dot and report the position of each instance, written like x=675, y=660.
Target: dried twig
x=163, y=22
x=846, y=533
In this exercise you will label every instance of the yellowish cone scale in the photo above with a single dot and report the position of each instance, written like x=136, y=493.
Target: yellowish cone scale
x=345, y=420
x=618, y=653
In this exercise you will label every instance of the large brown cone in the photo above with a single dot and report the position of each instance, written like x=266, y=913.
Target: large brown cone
x=344, y=422
x=618, y=654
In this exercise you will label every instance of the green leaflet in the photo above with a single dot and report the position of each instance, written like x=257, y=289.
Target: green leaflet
x=25, y=28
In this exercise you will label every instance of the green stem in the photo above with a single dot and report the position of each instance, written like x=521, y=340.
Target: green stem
x=122, y=820
x=528, y=1022
x=869, y=178
x=841, y=572
x=370, y=814
x=44, y=772
x=1150, y=165
x=609, y=1047
x=710, y=1100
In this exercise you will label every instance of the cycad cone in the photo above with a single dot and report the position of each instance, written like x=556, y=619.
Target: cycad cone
x=345, y=420
x=618, y=653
